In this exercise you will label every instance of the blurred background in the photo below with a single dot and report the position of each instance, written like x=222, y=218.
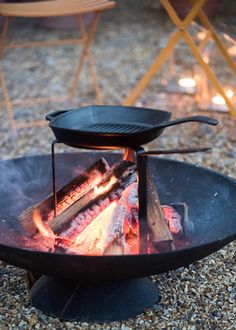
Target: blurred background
x=127, y=40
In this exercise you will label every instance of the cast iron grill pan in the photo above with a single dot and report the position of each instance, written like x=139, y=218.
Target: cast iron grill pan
x=113, y=126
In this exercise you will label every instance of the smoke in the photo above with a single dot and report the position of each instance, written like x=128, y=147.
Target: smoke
x=20, y=183
x=26, y=181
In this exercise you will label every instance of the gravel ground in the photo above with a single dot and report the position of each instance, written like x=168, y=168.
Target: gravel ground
x=201, y=296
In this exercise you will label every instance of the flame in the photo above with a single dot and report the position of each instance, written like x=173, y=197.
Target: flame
x=103, y=188
x=129, y=154
x=114, y=230
x=42, y=228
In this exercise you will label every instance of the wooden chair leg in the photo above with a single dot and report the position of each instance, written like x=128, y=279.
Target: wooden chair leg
x=157, y=63
x=210, y=74
x=205, y=21
x=165, y=53
x=6, y=96
x=7, y=101
x=94, y=78
x=85, y=40
x=77, y=75
x=88, y=36
x=4, y=36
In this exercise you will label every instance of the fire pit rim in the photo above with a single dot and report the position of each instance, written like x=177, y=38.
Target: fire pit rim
x=214, y=172
x=150, y=263
x=220, y=240
x=86, y=272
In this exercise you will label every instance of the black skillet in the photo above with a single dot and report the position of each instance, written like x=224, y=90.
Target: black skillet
x=113, y=126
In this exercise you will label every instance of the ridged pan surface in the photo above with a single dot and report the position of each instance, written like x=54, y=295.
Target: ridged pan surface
x=210, y=196
x=107, y=126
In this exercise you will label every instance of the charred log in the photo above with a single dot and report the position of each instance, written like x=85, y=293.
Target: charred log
x=88, y=207
x=106, y=234
x=65, y=196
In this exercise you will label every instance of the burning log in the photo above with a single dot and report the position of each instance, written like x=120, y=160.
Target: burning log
x=106, y=233
x=44, y=240
x=103, y=216
x=161, y=236
x=88, y=207
x=65, y=196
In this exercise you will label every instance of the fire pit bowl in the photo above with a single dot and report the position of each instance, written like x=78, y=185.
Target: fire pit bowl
x=211, y=200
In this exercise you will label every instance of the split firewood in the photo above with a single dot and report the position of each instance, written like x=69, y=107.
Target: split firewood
x=65, y=196
x=161, y=236
x=106, y=232
x=76, y=217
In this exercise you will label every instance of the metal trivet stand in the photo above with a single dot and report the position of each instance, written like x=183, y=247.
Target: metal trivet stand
x=99, y=300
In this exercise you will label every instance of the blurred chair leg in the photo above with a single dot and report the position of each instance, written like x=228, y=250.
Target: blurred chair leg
x=205, y=22
x=152, y=70
x=94, y=78
x=4, y=36
x=87, y=36
x=6, y=96
x=7, y=101
x=165, y=53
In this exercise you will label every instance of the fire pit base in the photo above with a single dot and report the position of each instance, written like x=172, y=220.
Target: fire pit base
x=93, y=301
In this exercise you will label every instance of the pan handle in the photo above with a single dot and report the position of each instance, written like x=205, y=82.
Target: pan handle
x=200, y=119
x=55, y=114
x=173, y=151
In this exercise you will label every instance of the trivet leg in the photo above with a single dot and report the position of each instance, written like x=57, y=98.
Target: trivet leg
x=54, y=175
x=93, y=301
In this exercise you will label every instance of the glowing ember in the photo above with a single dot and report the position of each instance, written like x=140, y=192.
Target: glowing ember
x=92, y=240
x=104, y=188
x=111, y=227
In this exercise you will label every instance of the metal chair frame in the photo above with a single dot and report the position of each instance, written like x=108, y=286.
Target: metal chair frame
x=181, y=31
